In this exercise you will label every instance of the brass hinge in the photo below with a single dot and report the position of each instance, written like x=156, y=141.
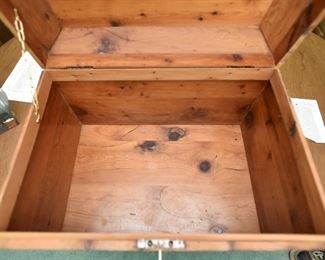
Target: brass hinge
x=241, y=67
x=78, y=67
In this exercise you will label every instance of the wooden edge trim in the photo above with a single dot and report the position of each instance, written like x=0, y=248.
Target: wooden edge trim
x=122, y=242
x=161, y=74
x=10, y=187
x=308, y=174
x=57, y=61
x=316, y=18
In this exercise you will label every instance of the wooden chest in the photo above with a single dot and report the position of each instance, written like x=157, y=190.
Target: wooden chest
x=163, y=120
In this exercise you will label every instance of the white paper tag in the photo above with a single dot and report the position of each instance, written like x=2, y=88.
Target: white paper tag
x=310, y=119
x=18, y=86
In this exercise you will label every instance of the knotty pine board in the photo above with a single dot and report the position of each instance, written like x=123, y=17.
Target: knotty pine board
x=158, y=46
x=153, y=12
x=160, y=102
x=274, y=170
x=287, y=21
x=42, y=198
x=120, y=184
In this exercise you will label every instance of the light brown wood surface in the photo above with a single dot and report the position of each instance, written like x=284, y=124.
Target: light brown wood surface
x=152, y=12
x=41, y=26
x=9, y=56
x=160, y=102
x=190, y=40
x=16, y=144
x=280, y=199
x=286, y=21
x=42, y=198
x=303, y=73
x=119, y=186
x=161, y=74
x=194, y=242
x=125, y=241
x=307, y=171
x=10, y=143
x=150, y=46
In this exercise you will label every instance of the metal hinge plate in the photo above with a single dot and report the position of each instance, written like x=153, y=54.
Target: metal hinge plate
x=78, y=67
x=160, y=244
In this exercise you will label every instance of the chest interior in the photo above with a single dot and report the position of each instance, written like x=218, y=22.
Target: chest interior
x=163, y=156
x=166, y=117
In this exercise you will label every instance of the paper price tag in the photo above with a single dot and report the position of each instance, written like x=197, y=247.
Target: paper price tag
x=18, y=85
x=310, y=119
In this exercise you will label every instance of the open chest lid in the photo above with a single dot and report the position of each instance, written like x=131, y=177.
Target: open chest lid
x=169, y=33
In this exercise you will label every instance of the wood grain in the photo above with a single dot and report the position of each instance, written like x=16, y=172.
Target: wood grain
x=152, y=12
x=18, y=144
x=160, y=102
x=280, y=199
x=304, y=77
x=121, y=185
x=307, y=173
x=286, y=21
x=161, y=74
x=41, y=26
x=125, y=241
x=105, y=47
x=43, y=195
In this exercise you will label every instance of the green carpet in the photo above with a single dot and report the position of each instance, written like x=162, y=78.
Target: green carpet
x=101, y=255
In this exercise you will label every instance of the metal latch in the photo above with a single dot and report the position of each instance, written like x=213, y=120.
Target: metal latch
x=160, y=244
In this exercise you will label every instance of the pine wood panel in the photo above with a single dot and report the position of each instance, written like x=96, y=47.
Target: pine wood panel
x=194, y=242
x=104, y=47
x=103, y=135
x=165, y=102
x=304, y=77
x=280, y=198
x=122, y=185
x=41, y=26
x=18, y=144
x=310, y=179
x=10, y=139
x=286, y=21
x=43, y=195
x=162, y=74
x=152, y=12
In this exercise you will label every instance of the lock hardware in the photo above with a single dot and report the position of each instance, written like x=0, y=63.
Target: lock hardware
x=152, y=244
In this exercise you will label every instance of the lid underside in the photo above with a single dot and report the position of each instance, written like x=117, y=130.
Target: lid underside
x=178, y=33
